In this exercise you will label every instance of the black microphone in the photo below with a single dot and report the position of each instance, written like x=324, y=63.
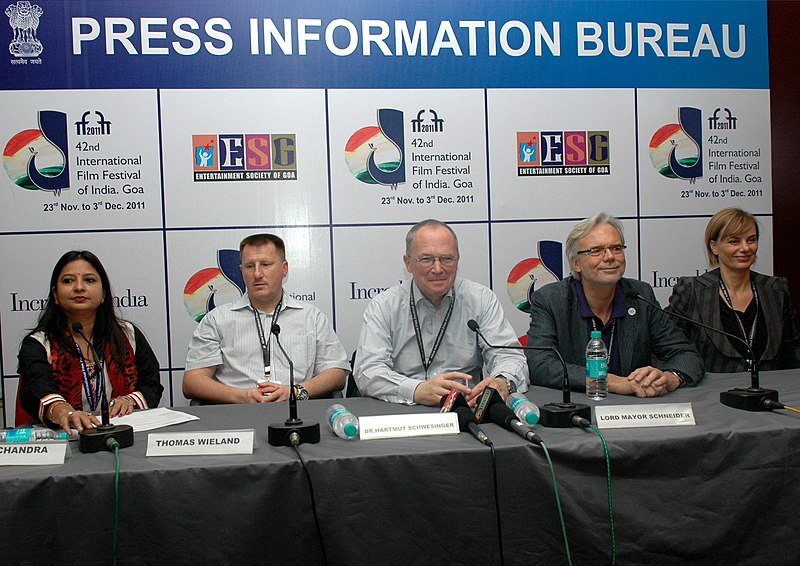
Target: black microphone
x=293, y=431
x=101, y=437
x=754, y=398
x=455, y=402
x=467, y=422
x=276, y=330
x=502, y=416
x=558, y=415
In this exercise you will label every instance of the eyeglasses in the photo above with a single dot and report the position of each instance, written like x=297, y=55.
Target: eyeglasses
x=599, y=252
x=427, y=261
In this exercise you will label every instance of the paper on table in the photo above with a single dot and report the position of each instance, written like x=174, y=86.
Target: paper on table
x=153, y=418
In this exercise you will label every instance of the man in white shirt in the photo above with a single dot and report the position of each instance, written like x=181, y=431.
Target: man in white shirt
x=233, y=356
x=415, y=345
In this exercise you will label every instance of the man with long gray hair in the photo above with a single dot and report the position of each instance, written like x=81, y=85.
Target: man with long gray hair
x=597, y=297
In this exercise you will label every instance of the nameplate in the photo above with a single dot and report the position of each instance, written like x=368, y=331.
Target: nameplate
x=205, y=443
x=400, y=426
x=627, y=416
x=33, y=453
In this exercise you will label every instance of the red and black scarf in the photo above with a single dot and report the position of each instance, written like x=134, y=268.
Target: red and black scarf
x=68, y=374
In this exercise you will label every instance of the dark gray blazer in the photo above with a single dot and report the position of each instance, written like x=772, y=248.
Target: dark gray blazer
x=644, y=333
x=698, y=299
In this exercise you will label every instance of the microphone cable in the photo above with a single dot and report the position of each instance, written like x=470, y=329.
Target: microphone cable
x=558, y=503
x=313, y=504
x=770, y=404
x=466, y=420
x=114, y=445
x=610, y=504
x=497, y=507
x=502, y=416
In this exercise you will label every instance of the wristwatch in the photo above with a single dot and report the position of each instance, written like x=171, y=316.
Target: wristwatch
x=301, y=393
x=512, y=387
x=679, y=375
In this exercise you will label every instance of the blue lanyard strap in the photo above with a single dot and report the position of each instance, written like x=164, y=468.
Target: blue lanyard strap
x=92, y=386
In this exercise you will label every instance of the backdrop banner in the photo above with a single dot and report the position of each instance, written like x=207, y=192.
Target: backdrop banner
x=159, y=134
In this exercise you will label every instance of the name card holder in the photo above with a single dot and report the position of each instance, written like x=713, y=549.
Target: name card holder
x=632, y=416
x=201, y=443
x=401, y=426
x=40, y=453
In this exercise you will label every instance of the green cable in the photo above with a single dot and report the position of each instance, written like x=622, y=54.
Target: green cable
x=610, y=506
x=558, y=502
x=114, y=445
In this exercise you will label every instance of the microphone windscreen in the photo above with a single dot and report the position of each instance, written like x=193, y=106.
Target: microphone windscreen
x=454, y=399
x=472, y=325
x=630, y=293
x=276, y=329
x=501, y=415
x=77, y=327
x=465, y=417
x=461, y=402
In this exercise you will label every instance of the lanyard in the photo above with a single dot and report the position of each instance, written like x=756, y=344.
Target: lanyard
x=748, y=337
x=262, y=337
x=91, y=384
x=610, y=342
x=418, y=332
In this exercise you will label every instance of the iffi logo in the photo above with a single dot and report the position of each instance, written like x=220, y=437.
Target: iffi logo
x=212, y=286
x=98, y=126
x=676, y=150
x=375, y=154
x=534, y=273
x=244, y=157
x=38, y=159
x=556, y=152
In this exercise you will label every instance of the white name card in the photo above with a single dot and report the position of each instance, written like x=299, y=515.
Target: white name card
x=33, y=453
x=628, y=416
x=201, y=443
x=399, y=426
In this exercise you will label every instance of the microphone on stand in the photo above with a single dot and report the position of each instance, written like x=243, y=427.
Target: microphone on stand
x=100, y=437
x=557, y=415
x=754, y=398
x=293, y=431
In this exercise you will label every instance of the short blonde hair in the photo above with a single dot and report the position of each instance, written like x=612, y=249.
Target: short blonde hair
x=727, y=222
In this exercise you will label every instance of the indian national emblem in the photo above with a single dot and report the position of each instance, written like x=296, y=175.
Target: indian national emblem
x=24, y=20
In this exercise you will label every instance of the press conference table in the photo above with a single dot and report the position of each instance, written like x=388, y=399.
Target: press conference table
x=723, y=491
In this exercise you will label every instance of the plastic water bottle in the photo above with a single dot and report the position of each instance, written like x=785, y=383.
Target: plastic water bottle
x=342, y=422
x=596, y=368
x=31, y=435
x=525, y=409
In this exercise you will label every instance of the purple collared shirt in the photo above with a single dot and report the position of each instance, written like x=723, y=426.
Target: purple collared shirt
x=618, y=310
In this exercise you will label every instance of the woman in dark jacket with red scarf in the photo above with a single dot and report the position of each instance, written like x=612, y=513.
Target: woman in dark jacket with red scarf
x=60, y=373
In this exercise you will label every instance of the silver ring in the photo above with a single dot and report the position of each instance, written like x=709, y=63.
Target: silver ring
x=111, y=404
x=70, y=413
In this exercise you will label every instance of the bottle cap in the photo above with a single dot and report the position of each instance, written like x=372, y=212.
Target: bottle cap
x=350, y=430
x=532, y=418
x=596, y=334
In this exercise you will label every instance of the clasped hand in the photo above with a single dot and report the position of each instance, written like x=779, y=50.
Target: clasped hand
x=646, y=381
x=267, y=392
